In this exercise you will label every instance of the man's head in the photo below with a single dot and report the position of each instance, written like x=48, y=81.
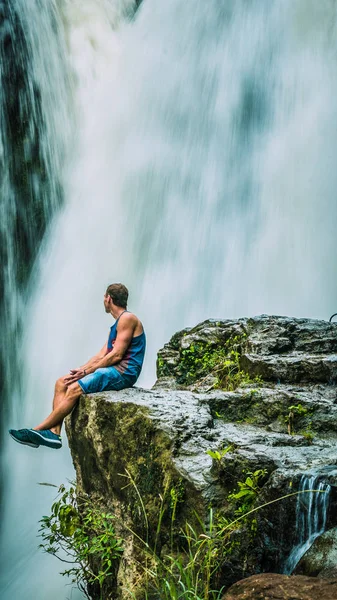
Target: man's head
x=118, y=293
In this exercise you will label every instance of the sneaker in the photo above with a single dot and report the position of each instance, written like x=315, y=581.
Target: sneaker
x=23, y=436
x=45, y=437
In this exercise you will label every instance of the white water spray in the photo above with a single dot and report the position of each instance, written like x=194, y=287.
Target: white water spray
x=202, y=176
x=25, y=571
x=37, y=160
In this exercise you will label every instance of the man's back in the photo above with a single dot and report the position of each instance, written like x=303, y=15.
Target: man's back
x=133, y=357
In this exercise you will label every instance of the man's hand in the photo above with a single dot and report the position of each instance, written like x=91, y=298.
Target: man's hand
x=75, y=375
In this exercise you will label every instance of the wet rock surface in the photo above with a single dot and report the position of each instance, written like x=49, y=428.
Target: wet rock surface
x=279, y=349
x=271, y=586
x=284, y=425
x=321, y=559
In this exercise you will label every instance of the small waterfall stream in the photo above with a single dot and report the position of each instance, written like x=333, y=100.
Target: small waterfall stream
x=311, y=514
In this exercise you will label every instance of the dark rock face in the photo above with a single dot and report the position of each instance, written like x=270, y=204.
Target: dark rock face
x=161, y=437
x=321, y=559
x=270, y=586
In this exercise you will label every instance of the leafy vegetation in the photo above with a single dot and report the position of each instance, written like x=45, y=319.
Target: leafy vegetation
x=188, y=573
x=308, y=434
x=248, y=491
x=219, y=454
x=194, y=571
x=296, y=411
x=190, y=570
x=202, y=361
x=78, y=533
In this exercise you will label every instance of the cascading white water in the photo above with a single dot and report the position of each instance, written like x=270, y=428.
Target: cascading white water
x=202, y=176
x=32, y=165
x=45, y=104
x=311, y=515
x=87, y=26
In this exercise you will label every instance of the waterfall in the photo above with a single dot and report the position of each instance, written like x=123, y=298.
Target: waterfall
x=32, y=151
x=311, y=514
x=35, y=96
x=193, y=144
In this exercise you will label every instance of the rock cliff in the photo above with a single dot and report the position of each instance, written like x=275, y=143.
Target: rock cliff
x=250, y=400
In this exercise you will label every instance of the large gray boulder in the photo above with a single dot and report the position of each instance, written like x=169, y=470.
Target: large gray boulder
x=144, y=443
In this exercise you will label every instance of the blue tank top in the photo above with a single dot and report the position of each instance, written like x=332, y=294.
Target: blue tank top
x=132, y=361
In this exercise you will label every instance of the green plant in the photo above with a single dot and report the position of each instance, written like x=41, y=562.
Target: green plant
x=248, y=491
x=193, y=571
x=160, y=363
x=241, y=502
x=79, y=534
x=308, y=434
x=199, y=361
x=219, y=454
x=176, y=496
x=295, y=411
x=188, y=573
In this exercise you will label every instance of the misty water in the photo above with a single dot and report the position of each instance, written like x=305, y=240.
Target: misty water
x=195, y=143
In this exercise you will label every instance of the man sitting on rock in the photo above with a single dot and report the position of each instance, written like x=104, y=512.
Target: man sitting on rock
x=115, y=367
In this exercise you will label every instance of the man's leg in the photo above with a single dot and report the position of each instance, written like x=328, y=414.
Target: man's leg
x=59, y=394
x=64, y=401
x=48, y=432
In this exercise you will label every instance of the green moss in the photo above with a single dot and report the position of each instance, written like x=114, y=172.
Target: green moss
x=307, y=434
x=253, y=409
x=163, y=369
x=201, y=360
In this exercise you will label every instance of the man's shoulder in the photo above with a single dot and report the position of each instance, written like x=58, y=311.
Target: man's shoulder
x=129, y=318
x=127, y=315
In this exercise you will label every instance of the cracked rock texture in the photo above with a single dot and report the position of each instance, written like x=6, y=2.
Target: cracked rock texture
x=144, y=443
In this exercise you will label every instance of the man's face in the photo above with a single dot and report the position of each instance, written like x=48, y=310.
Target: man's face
x=107, y=303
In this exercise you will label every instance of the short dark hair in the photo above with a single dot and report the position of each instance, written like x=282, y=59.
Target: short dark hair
x=119, y=294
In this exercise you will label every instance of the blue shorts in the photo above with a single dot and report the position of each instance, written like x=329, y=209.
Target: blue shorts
x=103, y=380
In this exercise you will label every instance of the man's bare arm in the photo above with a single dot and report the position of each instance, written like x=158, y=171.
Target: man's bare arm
x=125, y=332
x=96, y=358
x=80, y=372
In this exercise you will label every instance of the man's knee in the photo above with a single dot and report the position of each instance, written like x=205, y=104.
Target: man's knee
x=60, y=386
x=74, y=390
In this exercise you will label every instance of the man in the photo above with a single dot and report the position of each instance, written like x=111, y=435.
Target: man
x=115, y=367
